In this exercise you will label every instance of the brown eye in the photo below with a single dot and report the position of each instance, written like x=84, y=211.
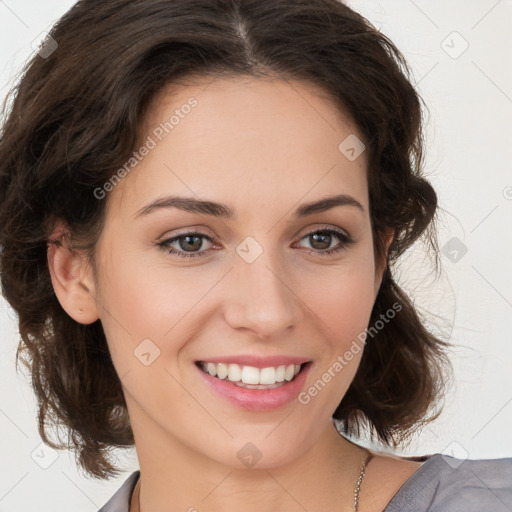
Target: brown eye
x=188, y=244
x=321, y=240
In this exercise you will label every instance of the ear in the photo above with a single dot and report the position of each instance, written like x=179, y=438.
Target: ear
x=72, y=278
x=379, y=271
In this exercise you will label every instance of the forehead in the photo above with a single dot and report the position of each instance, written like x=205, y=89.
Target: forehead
x=244, y=137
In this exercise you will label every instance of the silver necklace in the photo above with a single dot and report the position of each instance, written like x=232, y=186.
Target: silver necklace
x=360, y=480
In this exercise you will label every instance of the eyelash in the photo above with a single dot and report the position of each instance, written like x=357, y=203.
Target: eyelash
x=343, y=237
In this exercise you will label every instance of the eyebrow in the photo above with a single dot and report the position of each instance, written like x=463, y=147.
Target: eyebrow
x=193, y=205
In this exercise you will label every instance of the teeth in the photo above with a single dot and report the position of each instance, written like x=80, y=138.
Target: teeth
x=235, y=373
x=251, y=375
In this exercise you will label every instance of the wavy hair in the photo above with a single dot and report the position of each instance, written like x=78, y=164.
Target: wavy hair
x=75, y=118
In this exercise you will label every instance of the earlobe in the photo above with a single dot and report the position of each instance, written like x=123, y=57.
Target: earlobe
x=71, y=279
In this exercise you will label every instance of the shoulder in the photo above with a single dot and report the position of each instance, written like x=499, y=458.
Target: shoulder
x=120, y=501
x=385, y=475
x=449, y=484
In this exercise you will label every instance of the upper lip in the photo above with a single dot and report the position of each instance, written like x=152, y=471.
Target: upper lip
x=257, y=361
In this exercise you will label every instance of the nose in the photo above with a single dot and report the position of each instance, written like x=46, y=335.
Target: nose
x=261, y=298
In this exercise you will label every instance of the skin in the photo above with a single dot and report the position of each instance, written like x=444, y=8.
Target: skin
x=262, y=147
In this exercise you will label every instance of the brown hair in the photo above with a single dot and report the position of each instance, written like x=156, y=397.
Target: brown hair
x=74, y=120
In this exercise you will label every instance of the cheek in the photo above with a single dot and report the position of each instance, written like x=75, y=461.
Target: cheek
x=342, y=298
x=129, y=306
x=141, y=300
x=344, y=307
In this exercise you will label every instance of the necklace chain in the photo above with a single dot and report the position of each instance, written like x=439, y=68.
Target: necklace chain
x=360, y=481
x=356, y=490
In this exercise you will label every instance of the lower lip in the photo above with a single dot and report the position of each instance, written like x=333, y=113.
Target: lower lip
x=257, y=399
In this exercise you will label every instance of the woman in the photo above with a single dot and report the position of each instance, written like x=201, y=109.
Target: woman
x=201, y=203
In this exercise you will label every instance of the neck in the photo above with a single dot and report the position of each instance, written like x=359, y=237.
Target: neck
x=322, y=478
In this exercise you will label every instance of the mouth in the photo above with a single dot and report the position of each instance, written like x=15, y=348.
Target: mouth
x=255, y=388
x=251, y=377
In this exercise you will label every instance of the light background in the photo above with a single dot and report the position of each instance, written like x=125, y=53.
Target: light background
x=469, y=95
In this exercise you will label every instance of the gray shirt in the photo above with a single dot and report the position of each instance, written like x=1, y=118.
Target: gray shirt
x=440, y=484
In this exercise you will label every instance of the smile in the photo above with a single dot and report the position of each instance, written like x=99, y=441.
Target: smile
x=250, y=376
x=254, y=397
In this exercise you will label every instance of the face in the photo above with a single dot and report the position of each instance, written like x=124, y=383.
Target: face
x=270, y=280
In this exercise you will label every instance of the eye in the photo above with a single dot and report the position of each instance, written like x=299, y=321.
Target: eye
x=321, y=240
x=189, y=241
